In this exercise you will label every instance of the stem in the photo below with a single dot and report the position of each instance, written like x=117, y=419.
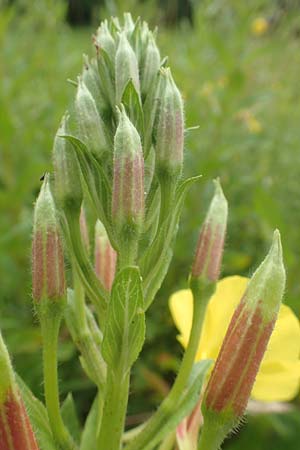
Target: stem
x=114, y=411
x=211, y=438
x=50, y=323
x=169, y=442
x=79, y=302
x=143, y=440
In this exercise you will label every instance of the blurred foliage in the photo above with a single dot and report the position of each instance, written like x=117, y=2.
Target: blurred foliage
x=241, y=87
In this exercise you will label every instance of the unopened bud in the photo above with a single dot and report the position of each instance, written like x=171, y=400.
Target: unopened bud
x=128, y=181
x=244, y=345
x=169, y=131
x=68, y=191
x=104, y=39
x=91, y=79
x=90, y=124
x=105, y=257
x=188, y=430
x=15, y=429
x=48, y=276
x=150, y=66
x=126, y=68
x=208, y=258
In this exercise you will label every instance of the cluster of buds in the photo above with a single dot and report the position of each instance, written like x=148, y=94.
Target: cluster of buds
x=127, y=121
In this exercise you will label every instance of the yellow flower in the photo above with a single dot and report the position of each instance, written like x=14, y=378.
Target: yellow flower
x=279, y=375
x=259, y=26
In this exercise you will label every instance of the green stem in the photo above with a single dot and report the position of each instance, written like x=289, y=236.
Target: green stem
x=50, y=323
x=143, y=440
x=211, y=438
x=169, y=442
x=114, y=411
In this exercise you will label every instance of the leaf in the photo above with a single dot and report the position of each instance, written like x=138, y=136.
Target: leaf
x=188, y=400
x=132, y=102
x=70, y=418
x=155, y=262
x=90, y=431
x=38, y=417
x=124, y=333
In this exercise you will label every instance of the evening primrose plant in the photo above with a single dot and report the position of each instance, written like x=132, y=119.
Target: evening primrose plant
x=111, y=208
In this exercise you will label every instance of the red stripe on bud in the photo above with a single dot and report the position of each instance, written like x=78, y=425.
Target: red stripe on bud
x=15, y=429
x=105, y=257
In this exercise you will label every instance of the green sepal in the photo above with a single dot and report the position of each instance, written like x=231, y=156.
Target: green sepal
x=124, y=332
x=155, y=263
x=90, y=431
x=132, y=102
x=107, y=80
x=38, y=416
x=70, y=417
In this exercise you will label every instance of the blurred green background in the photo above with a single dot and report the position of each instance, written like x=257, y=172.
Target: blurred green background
x=237, y=65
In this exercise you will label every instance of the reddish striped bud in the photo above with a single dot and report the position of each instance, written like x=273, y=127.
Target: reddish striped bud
x=244, y=345
x=209, y=251
x=48, y=275
x=105, y=257
x=188, y=430
x=15, y=429
x=128, y=181
x=169, y=132
x=126, y=68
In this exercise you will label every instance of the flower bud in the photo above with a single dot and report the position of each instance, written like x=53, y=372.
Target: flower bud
x=126, y=68
x=104, y=39
x=169, y=127
x=188, y=430
x=244, y=345
x=91, y=79
x=15, y=429
x=68, y=191
x=208, y=258
x=128, y=181
x=105, y=257
x=150, y=66
x=90, y=124
x=48, y=276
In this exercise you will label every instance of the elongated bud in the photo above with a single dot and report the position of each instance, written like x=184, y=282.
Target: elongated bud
x=91, y=79
x=126, y=68
x=48, y=275
x=208, y=258
x=188, y=430
x=68, y=191
x=104, y=39
x=244, y=345
x=90, y=124
x=150, y=66
x=105, y=257
x=169, y=127
x=128, y=182
x=15, y=429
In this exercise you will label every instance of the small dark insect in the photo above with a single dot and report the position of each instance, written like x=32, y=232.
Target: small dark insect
x=43, y=177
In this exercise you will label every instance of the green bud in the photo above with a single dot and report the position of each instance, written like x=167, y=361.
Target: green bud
x=126, y=68
x=208, y=258
x=151, y=65
x=169, y=127
x=128, y=182
x=48, y=274
x=91, y=79
x=90, y=124
x=104, y=39
x=6, y=372
x=68, y=191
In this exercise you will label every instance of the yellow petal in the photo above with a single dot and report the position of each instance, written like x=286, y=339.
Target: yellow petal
x=279, y=375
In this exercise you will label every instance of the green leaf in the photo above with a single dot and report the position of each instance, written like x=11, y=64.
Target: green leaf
x=38, y=417
x=124, y=333
x=132, y=102
x=156, y=261
x=70, y=418
x=90, y=431
x=189, y=398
